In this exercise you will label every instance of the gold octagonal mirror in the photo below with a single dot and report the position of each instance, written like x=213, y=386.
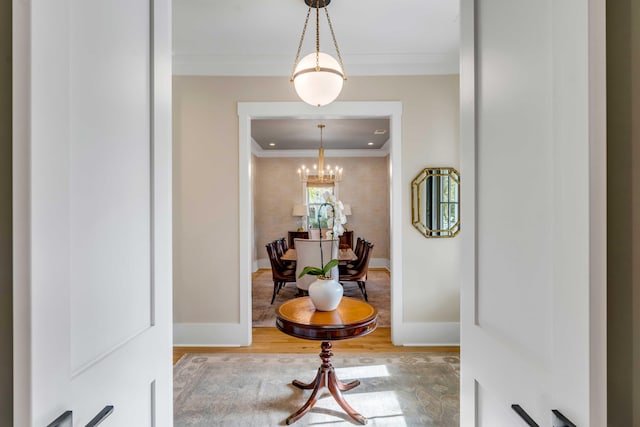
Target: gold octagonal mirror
x=435, y=202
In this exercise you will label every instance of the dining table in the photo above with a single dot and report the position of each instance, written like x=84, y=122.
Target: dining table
x=344, y=255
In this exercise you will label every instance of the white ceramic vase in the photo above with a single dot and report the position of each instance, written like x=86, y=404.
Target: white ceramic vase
x=325, y=293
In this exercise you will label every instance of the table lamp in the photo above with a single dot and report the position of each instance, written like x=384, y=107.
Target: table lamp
x=302, y=212
x=346, y=210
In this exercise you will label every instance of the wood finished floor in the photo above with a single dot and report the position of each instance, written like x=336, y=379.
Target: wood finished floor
x=271, y=340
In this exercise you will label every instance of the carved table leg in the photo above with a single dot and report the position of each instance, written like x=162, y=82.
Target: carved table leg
x=344, y=387
x=326, y=377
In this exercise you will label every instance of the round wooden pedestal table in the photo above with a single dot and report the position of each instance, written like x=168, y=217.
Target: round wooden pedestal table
x=353, y=318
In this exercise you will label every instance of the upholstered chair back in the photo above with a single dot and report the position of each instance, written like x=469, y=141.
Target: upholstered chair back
x=308, y=254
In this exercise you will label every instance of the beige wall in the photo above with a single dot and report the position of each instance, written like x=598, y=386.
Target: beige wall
x=276, y=189
x=365, y=186
x=206, y=187
x=623, y=192
x=6, y=270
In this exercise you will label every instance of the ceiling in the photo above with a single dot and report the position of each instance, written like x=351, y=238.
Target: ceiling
x=260, y=38
x=304, y=134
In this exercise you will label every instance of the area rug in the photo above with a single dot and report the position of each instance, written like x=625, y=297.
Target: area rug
x=264, y=314
x=397, y=389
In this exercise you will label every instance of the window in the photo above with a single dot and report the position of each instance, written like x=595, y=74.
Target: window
x=315, y=198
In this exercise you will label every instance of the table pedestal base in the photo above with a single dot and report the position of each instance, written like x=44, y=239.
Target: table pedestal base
x=326, y=377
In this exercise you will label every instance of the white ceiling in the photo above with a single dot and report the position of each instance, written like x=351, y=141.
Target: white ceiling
x=260, y=38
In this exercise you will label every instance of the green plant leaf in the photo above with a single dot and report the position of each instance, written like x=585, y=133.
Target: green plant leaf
x=328, y=266
x=312, y=271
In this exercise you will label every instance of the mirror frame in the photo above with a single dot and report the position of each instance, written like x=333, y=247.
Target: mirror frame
x=420, y=223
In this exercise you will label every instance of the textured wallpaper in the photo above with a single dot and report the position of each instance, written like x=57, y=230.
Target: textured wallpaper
x=365, y=186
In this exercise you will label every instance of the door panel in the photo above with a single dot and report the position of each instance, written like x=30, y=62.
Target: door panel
x=505, y=222
x=492, y=413
x=97, y=221
x=532, y=300
x=110, y=177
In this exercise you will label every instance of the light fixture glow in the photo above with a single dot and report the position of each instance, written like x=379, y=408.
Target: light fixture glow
x=318, y=86
x=318, y=77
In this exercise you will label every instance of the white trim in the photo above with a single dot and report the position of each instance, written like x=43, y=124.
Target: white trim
x=380, y=263
x=381, y=152
x=250, y=110
x=428, y=333
x=280, y=66
x=468, y=386
x=229, y=334
x=208, y=335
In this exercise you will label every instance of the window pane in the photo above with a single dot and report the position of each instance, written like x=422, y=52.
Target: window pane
x=315, y=198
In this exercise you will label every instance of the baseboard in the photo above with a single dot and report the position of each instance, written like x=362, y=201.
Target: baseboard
x=380, y=263
x=426, y=334
x=262, y=263
x=231, y=334
x=373, y=263
x=209, y=335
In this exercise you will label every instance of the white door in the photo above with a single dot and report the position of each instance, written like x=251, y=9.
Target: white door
x=92, y=211
x=534, y=204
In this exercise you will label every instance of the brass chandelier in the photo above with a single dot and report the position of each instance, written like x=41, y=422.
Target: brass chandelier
x=319, y=174
x=318, y=77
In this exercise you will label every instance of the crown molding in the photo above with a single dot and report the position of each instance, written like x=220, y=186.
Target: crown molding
x=280, y=65
x=258, y=151
x=314, y=153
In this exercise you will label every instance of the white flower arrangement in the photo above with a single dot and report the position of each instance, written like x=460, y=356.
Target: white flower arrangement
x=337, y=214
x=337, y=229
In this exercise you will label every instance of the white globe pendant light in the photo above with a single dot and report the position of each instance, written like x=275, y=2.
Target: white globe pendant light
x=319, y=85
x=318, y=77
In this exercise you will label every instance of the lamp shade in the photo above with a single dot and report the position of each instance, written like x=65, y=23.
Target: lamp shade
x=346, y=209
x=318, y=86
x=300, y=210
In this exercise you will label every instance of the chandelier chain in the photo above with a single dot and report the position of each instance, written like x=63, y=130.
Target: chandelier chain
x=318, y=79
x=304, y=30
x=318, y=34
x=335, y=43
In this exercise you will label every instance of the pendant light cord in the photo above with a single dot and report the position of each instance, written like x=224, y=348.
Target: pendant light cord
x=333, y=36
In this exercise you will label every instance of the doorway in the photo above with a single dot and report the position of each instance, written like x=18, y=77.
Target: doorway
x=247, y=111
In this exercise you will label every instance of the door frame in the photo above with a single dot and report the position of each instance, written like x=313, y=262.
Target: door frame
x=247, y=111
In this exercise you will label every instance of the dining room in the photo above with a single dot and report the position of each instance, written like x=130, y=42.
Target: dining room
x=287, y=203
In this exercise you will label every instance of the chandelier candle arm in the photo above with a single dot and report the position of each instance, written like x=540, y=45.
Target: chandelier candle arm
x=328, y=175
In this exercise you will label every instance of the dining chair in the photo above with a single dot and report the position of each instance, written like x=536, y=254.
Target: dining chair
x=308, y=254
x=281, y=247
x=358, y=274
x=360, y=245
x=280, y=274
